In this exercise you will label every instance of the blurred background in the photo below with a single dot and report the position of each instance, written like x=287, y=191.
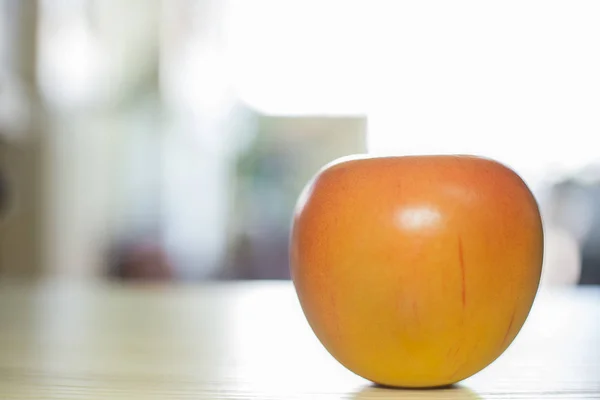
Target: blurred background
x=169, y=139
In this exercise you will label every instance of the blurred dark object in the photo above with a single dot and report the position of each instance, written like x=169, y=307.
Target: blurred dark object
x=3, y=184
x=590, y=246
x=141, y=260
x=575, y=208
x=3, y=195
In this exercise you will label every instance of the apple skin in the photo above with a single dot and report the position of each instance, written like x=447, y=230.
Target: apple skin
x=416, y=271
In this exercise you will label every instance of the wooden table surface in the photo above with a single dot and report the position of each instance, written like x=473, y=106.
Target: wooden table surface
x=250, y=340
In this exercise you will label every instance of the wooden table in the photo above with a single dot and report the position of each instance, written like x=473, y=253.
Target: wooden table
x=250, y=340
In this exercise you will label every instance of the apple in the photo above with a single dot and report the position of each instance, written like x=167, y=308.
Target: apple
x=416, y=271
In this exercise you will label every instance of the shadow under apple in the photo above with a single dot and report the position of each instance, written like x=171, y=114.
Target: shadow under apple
x=377, y=392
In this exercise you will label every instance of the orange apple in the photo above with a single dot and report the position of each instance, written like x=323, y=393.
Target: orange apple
x=416, y=271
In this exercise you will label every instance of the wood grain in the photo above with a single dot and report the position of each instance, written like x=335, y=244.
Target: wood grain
x=250, y=340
